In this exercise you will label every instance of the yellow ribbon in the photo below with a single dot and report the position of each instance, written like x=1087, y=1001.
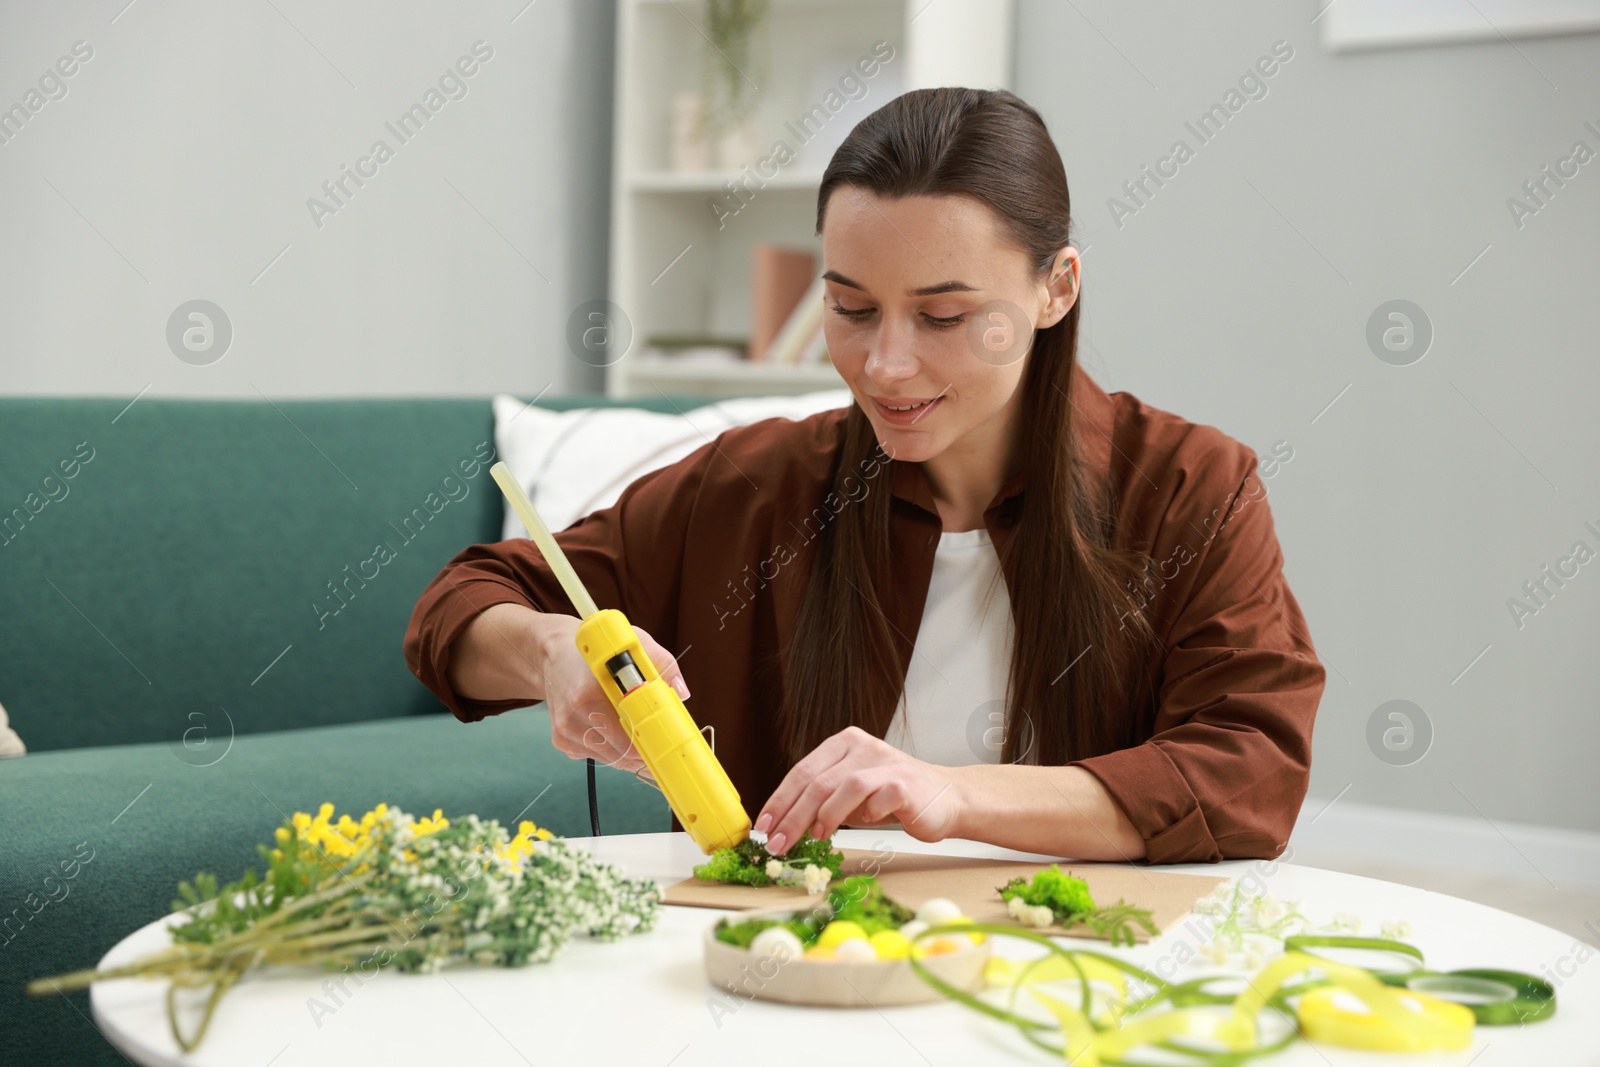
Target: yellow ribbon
x=1434, y=1024
x=1390, y=1024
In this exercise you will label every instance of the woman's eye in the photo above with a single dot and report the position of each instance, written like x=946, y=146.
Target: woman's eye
x=934, y=321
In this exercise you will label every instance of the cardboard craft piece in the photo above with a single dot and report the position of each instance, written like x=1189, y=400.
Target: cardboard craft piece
x=911, y=878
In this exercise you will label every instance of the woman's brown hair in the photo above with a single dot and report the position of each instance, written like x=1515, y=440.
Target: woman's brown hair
x=1068, y=608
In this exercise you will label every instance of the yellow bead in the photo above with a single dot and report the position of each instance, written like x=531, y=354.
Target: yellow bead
x=890, y=945
x=818, y=952
x=840, y=930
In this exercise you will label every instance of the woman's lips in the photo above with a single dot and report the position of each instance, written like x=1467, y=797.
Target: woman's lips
x=905, y=418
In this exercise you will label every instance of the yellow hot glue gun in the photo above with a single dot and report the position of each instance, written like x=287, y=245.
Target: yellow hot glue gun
x=660, y=727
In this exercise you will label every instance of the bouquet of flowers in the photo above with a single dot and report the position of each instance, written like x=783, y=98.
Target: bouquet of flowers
x=387, y=889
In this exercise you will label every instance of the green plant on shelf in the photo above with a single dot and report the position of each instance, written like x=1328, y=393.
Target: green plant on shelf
x=731, y=62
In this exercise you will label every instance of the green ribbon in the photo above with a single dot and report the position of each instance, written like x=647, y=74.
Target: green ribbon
x=1306, y=942
x=1495, y=997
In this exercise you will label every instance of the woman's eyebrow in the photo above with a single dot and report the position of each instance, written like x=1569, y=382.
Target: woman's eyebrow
x=926, y=290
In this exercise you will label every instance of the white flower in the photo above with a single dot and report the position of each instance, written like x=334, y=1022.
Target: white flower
x=774, y=869
x=1041, y=915
x=817, y=878
x=1015, y=906
x=1268, y=912
x=1396, y=930
x=1346, y=921
x=1216, y=950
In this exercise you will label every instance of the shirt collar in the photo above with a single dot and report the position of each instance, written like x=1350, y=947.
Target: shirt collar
x=1093, y=413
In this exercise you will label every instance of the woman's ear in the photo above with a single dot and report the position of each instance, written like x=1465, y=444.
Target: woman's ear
x=1061, y=287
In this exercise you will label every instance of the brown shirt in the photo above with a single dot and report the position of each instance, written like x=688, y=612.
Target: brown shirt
x=706, y=555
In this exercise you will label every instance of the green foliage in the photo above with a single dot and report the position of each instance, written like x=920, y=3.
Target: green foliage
x=746, y=862
x=295, y=869
x=1069, y=901
x=233, y=907
x=1115, y=923
x=861, y=900
x=733, y=67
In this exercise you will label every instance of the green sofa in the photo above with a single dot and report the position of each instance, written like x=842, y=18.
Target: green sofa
x=173, y=654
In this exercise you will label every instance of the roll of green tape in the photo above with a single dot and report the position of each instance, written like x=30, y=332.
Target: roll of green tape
x=1496, y=998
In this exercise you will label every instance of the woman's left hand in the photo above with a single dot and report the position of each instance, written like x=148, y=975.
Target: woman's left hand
x=854, y=777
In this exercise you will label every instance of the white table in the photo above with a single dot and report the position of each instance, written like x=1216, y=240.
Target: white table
x=645, y=1000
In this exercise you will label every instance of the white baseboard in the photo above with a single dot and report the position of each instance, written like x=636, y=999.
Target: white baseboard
x=1541, y=855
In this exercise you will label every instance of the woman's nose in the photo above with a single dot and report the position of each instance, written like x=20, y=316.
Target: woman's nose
x=891, y=358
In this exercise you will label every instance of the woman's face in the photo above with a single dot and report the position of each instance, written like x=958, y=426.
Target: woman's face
x=928, y=302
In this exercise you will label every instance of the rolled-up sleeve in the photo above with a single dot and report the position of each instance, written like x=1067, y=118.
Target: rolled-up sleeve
x=628, y=555
x=1226, y=768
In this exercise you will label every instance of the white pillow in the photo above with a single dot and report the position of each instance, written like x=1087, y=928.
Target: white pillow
x=10, y=743
x=574, y=462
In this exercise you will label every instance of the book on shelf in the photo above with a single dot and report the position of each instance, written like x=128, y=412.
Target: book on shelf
x=802, y=332
x=816, y=349
x=780, y=278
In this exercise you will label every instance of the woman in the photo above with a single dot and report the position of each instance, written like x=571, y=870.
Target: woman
x=986, y=600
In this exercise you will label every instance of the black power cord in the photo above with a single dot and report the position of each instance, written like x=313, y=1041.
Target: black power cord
x=594, y=803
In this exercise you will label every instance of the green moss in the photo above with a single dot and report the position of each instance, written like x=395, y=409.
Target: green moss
x=746, y=862
x=1069, y=901
x=1065, y=895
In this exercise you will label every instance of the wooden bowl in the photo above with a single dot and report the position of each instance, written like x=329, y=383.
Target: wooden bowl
x=838, y=983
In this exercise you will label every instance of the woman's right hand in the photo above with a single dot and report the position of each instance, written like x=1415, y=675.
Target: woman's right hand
x=583, y=724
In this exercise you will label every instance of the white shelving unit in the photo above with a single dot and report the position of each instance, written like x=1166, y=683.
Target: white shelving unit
x=680, y=240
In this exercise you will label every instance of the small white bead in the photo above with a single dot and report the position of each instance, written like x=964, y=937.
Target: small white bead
x=937, y=910
x=855, y=950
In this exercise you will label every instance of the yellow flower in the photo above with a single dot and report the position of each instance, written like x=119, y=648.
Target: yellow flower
x=437, y=822
x=334, y=841
x=341, y=839
x=523, y=843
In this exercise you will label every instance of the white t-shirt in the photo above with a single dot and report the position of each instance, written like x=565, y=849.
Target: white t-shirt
x=952, y=711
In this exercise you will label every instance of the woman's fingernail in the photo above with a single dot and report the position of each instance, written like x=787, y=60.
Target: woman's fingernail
x=764, y=823
x=775, y=844
x=682, y=687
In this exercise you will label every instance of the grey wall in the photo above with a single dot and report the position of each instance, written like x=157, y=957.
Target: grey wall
x=179, y=163
x=1239, y=293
